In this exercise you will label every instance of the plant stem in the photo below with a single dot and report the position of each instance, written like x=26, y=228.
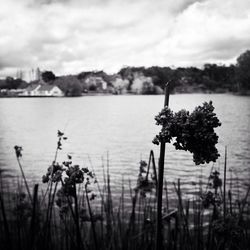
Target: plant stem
x=78, y=232
x=224, y=185
x=24, y=178
x=33, y=218
x=91, y=220
x=160, y=183
x=5, y=222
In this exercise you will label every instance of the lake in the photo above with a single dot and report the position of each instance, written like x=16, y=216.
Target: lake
x=120, y=128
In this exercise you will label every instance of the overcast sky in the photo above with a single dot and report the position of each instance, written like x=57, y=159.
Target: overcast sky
x=70, y=36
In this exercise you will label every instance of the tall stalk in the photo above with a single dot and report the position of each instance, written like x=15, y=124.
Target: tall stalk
x=5, y=220
x=78, y=232
x=33, y=218
x=160, y=183
x=152, y=158
x=18, y=156
x=224, y=186
x=91, y=219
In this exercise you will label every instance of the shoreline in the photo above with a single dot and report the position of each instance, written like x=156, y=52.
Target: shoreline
x=127, y=94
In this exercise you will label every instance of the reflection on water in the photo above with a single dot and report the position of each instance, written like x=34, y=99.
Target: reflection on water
x=120, y=126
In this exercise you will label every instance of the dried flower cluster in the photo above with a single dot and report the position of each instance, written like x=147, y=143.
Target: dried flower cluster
x=144, y=184
x=213, y=198
x=18, y=151
x=69, y=175
x=193, y=132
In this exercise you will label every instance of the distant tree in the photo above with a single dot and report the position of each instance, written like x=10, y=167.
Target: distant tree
x=70, y=85
x=104, y=76
x=83, y=74
x=92, y=87
x=243, y=70
x=219, y=76
x=75, y=89
x=19, y=83
x=11, y=83
x=2, y=84
x=160, y=75
x=148, y=89
x=48, y=76
x=127, y=73
x=211, y=71
x=210, y=84
x=194, y=75
x=231, y=77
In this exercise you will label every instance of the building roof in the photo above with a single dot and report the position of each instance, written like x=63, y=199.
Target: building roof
x=32, y=87
x=40, y=87
x=46, y=87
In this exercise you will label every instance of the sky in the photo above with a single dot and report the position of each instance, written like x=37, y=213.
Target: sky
x=71, y=36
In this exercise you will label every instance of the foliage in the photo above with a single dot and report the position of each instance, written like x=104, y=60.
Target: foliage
x=193, y=132
x=243, y=70
x=48, y=76
x=127, y=225
x=160, y=75
x=83, y=75
x=210, y=78
x=148, y=88
x=219, y=75
x=79, y=221
x=92, y=87
x=70, y=85
x=11, y=83
x=144, y=183
x=212, y=197
x=18, y=151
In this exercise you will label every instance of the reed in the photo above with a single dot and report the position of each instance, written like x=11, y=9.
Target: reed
x=72, y=216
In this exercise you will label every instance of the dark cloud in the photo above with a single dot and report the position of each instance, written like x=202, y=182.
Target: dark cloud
x=226, y=49
x=50, y=1
x=72, y=35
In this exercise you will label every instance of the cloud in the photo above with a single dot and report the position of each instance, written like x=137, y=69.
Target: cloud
x=208, y=31
x=69, y=36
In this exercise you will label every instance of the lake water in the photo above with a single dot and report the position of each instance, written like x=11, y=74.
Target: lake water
x=121, y=127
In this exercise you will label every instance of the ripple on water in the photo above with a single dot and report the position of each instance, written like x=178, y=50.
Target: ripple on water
x=124, y=127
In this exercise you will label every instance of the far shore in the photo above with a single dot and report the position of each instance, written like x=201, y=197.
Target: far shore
x=96, y=93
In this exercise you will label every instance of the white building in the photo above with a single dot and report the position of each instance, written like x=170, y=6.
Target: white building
x=96, y=81
x=42, y=90
x=118, y=82
x=140, y=81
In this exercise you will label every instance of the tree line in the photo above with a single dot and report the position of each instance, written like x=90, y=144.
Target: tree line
x=212, y=78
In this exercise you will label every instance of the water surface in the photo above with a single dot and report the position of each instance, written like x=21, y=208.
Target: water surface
x=121, y=127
